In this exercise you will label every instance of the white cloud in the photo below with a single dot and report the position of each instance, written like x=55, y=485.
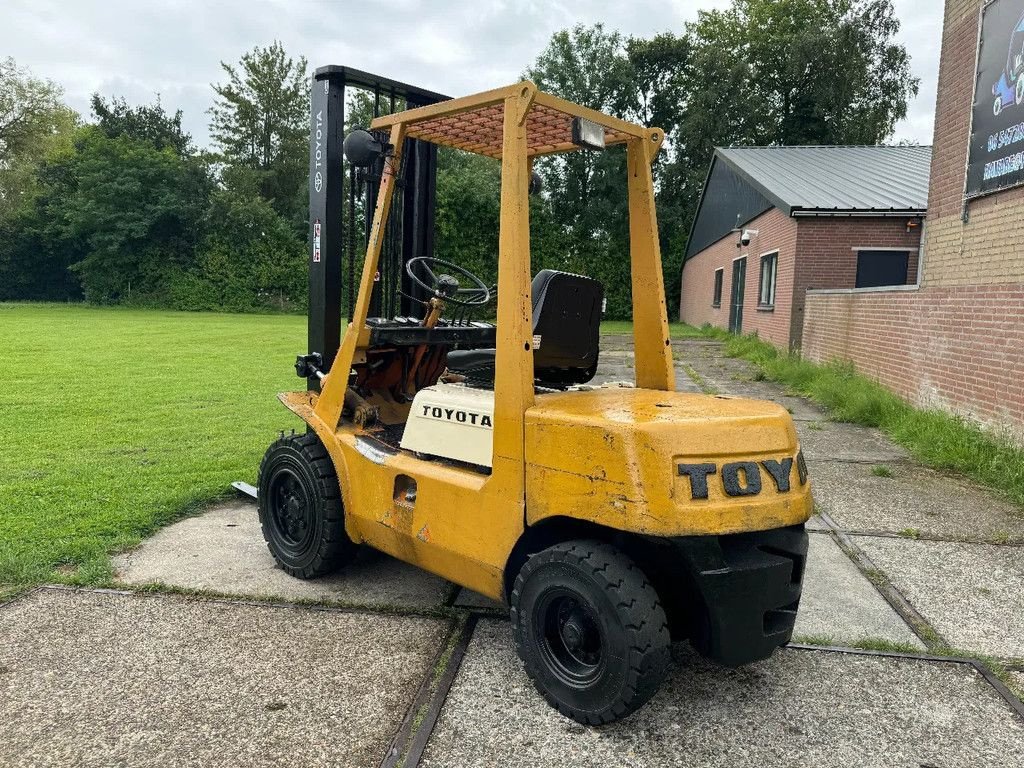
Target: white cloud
x=173, y=48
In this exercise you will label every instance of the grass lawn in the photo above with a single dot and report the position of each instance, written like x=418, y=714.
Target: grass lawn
x=117, y=421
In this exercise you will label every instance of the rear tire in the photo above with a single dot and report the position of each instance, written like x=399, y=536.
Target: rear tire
x=300, y=508
x=590, y=630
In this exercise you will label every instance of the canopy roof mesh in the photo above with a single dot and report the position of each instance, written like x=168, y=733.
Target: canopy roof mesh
x=475, y=123
x=547, y=130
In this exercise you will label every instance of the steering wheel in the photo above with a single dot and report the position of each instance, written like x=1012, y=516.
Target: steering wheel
x=445, y=286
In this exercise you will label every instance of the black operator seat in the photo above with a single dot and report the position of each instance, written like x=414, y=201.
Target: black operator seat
x=566, y=333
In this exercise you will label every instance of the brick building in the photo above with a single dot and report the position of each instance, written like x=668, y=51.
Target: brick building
x=774, y=222
x=956, y=341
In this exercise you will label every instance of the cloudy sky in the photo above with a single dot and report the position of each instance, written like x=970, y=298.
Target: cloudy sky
x=174, y=47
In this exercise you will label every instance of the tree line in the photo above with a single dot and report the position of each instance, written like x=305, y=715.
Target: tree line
x=124, y=208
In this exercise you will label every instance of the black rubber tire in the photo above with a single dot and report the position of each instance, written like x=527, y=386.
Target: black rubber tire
x=307, y=538
x=618, y=603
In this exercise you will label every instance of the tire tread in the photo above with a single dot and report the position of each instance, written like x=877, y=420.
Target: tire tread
x=335, y=548
x=640, y=612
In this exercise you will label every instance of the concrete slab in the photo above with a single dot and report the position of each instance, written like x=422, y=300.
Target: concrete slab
x=471, y=600
x=91, y=679
x=797, y=708
x=612, y=374
x=755, y=390
x=799, y=408
x=913, y=500
x=611, y=342
x=816, y=524
x=829, y=440
x=694, y=344
x=223, y=551
x=617, y=365
x=1016, y=684
x=973, y=594
x=839, y=606
x=711, y=361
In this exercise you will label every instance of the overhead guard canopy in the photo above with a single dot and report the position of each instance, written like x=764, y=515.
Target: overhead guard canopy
x=474, y=123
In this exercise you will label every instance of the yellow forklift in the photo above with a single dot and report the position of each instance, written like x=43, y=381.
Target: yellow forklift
x=612, y=519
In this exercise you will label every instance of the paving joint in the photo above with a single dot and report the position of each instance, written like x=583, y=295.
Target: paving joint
x=931, y=537
x=18, y=594
x=442, y=613
x=706, y=387
x=398, y=749
x=908, y=460
x=917, y=623
x=425, y=729
x=1015, y=703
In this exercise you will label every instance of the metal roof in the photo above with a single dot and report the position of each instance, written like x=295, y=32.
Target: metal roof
x=840, y=179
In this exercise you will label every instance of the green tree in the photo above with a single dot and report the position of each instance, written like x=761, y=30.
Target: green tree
x=248, y=259
x=34, y=127
x=803, y=71
x=586, y=191
x=467, y=211
x=33, y=122
x=259, y=123
x=659, y=71
x=147, y=122
x=136, y=209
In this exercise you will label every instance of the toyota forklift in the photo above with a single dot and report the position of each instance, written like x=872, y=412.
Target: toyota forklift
x=611, y=519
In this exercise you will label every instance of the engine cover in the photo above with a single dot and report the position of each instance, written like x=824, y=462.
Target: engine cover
x=452, y=421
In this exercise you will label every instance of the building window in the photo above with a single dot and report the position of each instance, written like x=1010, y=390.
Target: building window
x=716, y=300
x=876, y=268
x=769, y=266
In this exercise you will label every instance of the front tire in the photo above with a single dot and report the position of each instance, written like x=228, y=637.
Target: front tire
x=300, y=508
x=590, y=630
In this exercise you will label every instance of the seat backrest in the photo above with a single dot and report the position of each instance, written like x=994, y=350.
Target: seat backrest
x=566, y=327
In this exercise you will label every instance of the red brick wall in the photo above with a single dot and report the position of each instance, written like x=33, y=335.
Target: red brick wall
x=813, y=252
x=958, y=348
x=958, y=342
x=826, y=259
x=776, y=231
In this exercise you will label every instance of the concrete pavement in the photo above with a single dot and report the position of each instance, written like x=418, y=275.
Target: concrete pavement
x=405, y=666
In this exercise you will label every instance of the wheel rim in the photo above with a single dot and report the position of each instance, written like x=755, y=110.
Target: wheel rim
x=570, y=635
x=290, y=509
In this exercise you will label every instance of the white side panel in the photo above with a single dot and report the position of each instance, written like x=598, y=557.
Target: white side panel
x=453, y=421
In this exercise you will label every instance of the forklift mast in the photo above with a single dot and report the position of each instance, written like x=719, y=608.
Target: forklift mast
x=335, y=196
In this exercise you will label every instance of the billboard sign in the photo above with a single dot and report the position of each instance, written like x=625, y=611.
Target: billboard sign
x=996, y=155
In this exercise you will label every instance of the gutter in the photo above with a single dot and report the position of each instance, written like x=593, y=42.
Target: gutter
x=807, y=213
